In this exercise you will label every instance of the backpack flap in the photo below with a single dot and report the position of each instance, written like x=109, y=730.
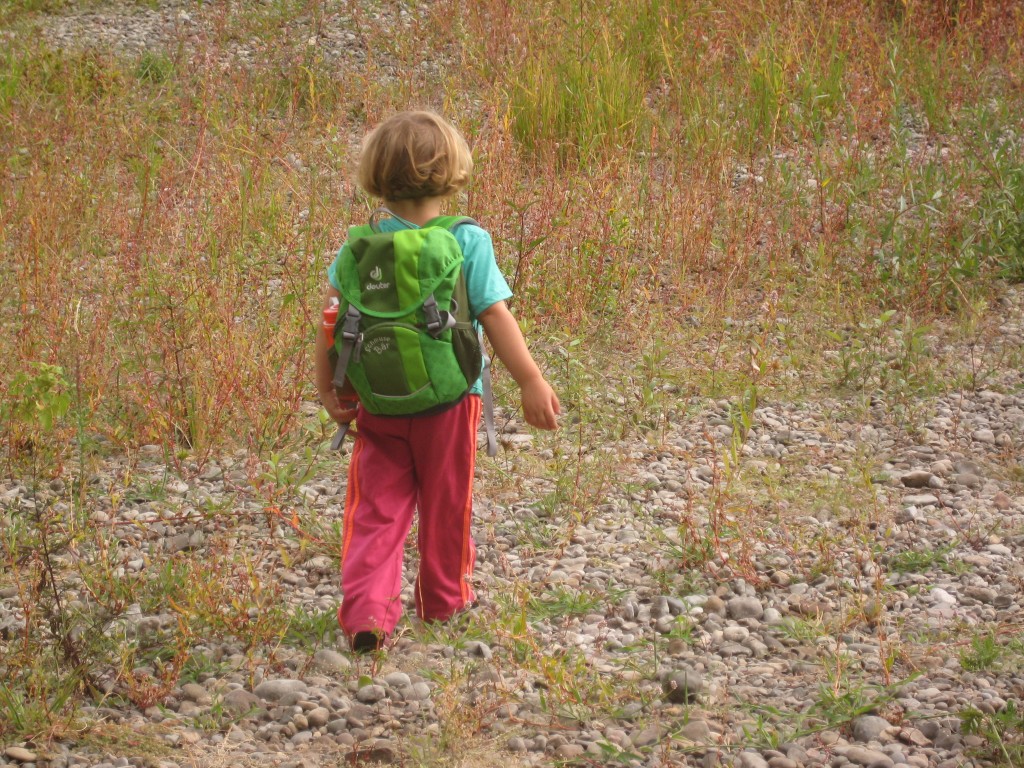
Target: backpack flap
x=391, y=274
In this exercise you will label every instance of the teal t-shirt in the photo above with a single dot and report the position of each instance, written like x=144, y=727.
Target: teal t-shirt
x=484, y=282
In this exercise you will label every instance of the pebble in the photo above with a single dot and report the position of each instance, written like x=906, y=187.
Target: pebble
x=748, y=759
x=275, y=690
x=683, y=686
x=371, y=694
x=330, y=661
x=870, y=758
x=871, y=728
x=744, y=608
x=20, y=754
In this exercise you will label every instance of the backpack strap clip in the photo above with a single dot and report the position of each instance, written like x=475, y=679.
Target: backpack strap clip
x=352, y=340
x=350, y=327
x=437, y=321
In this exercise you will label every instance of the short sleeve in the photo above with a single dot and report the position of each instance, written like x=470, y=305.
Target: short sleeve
x=484, y=282
x=332, y=272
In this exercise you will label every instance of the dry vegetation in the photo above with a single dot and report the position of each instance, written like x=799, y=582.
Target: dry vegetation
x=771, y=199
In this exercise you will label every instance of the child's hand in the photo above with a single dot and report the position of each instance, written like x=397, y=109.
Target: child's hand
x=342, y=410
x=540, y=404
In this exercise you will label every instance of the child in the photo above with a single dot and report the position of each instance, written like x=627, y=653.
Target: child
x=414, y=161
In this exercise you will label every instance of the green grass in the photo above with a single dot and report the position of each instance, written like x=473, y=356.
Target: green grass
x=916, y=561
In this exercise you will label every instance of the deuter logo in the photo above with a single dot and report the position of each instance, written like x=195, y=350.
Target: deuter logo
x=376, y=274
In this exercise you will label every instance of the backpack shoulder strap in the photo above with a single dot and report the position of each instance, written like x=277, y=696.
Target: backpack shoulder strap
x=364, y=230
x=451, y=223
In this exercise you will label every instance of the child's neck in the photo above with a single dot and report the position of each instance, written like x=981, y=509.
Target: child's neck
x=418, y=211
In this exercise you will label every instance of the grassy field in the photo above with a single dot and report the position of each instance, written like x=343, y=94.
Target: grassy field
x=778, y=199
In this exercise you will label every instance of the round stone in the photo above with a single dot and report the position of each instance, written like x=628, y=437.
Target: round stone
x=744, y=608
x=682, y=686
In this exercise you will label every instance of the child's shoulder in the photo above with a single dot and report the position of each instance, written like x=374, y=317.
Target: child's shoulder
x=472, y=234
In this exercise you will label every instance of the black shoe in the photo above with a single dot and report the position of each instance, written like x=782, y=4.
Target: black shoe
x=367, y=641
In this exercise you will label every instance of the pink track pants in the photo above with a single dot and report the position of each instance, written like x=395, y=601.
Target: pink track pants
x=398, y=465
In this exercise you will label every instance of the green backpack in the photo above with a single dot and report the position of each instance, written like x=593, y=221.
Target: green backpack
x=404, y=337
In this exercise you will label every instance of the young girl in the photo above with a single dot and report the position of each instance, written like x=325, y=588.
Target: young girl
x=414, y=161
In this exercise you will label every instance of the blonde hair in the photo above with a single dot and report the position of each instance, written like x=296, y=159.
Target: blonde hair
x=413, y=155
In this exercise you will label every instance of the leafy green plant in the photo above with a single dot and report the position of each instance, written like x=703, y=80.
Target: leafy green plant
x=155, y=68
x=1003, y=732
x=560, y=602
x=1001, y=222
x=919, y=561
x=311, y=630
x=881, y=356
x=38, y=399
x=982, y=655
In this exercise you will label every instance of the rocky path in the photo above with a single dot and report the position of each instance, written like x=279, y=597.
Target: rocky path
x=838, y=588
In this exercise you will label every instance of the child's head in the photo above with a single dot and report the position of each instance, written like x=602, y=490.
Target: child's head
x=413, y=155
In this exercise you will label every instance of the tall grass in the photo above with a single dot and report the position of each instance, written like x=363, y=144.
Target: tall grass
x=167, y=219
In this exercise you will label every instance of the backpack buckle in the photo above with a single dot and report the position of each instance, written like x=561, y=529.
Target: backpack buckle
x=350, y=326
x=437, y=322
x=350, y=332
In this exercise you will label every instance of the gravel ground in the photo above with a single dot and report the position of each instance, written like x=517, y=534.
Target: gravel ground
x=836, y=626
x=860, y=546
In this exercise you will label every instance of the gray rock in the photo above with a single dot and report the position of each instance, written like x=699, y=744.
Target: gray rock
x=715, y=605
x=371, y=694
x=745, y=608
x=195, y=692
x=985, y=595
x=275, y=690
x=479, y=649
x=772, y=617
x=986, y=436
x=914, y=737
x=178, y=543
x=967, y=479
x=871, y=728
x=748, y=759
x=319, y=717
x=328, y=660
x=417, y=692
x=864, y=756
x=917, y=479
x=239, y=702
x=697, y=731
x=682, y=686
x=398, y=680
x=569, y=751
x=647, y=737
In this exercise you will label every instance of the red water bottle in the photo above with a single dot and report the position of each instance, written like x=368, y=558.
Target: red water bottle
x=330, y=318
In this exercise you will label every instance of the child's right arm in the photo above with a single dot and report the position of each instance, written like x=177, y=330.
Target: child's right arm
x=341, y=410
x=540, y=403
